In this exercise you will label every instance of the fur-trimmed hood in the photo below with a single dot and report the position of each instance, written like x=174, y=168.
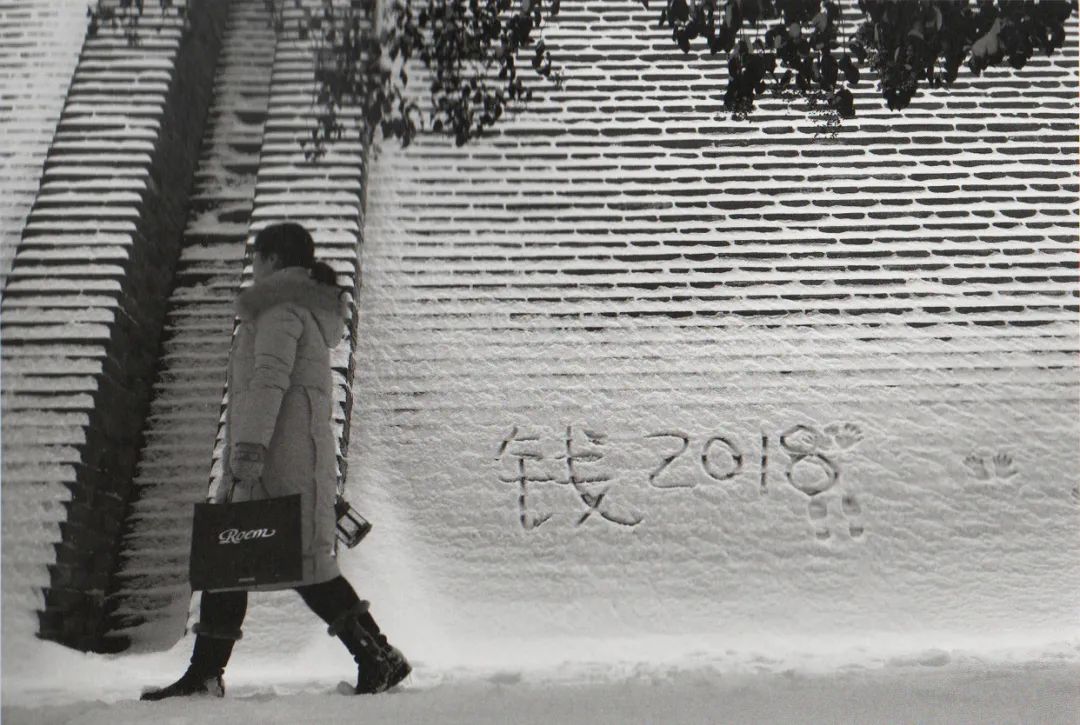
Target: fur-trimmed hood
x=327, y=304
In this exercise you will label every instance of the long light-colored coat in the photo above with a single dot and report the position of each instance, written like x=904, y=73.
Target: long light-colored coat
x=281, y=396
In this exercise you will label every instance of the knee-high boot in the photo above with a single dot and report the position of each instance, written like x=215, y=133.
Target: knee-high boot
x=380, y=666
x=204, y=674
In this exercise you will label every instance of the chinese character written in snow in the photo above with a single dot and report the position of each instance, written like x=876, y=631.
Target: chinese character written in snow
x=516, y=449
x=592, y=487
x=581, y=455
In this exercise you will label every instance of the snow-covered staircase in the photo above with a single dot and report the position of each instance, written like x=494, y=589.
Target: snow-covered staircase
x=174, y=464
x=326, y=196
x=183, y=435
x=39, y=46
x=40, y=42
x=82, y=311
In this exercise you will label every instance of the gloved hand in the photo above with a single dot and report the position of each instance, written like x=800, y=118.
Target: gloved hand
x=246, y=462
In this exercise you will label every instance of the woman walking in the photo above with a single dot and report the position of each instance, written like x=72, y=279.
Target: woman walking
x=279, y=441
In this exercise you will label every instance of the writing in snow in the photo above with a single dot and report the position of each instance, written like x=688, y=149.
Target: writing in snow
x=595, y=468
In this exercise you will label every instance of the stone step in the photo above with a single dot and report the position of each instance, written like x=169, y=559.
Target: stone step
x=39, y=474
x=106, y=146
x=47, y=429
x=45, y=364
x=66, y=162
x=198, y=328
x=136, y=105
x=176, y=427
x=217, y=308
x=94, y=185
x=64, y=225
x=64, y=268
x=59, y=255
x=190, y=457
x=33, y=455
x=183, y=400
x=201, y=349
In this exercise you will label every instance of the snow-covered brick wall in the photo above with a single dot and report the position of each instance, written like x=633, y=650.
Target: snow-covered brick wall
x=82, y=313
x=39, y=44
x=628, y=367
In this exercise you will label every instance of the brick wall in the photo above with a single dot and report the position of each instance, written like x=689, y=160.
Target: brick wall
x=624, y=259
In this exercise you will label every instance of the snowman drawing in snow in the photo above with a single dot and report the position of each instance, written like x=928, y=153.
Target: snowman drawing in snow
x=815, y=472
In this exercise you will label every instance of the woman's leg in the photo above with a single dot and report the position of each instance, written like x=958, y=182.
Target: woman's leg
x=221, y=614
x=330, y=599
x=220, y=617
x=380, y=666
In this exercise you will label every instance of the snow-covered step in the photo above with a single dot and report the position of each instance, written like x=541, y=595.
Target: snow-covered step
x=170, y=401
x=202, y=349
x=174, y=464
x=162, y=429
x=153, y=595
x=201, y=323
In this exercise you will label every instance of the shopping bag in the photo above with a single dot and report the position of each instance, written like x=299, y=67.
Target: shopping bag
x=246, y=544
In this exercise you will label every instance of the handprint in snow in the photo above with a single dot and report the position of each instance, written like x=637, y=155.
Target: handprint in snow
x=984, y=466
x=1004, y=466
x=843, y=436
x=976, y=466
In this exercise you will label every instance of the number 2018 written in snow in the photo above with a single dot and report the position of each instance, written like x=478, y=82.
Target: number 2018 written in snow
x=722, y=460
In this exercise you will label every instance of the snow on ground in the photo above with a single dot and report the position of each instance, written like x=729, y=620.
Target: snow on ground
x=50, y=685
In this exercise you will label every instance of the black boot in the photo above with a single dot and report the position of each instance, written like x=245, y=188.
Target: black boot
x=399, y=667
x=204, y=674
x=380, y=666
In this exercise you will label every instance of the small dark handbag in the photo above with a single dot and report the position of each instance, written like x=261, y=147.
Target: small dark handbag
x=246, y=544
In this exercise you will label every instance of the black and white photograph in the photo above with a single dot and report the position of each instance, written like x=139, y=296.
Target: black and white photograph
x=540, y=362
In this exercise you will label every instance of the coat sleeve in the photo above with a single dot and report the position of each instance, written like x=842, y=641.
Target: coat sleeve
x=277, y=332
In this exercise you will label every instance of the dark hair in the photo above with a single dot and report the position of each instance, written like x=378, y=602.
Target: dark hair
x=294, y=247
